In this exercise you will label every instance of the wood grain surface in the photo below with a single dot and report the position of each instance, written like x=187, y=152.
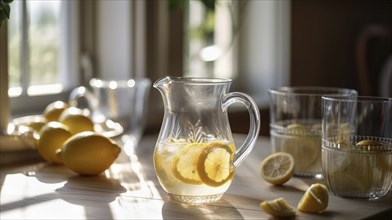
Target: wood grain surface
x=129, y=189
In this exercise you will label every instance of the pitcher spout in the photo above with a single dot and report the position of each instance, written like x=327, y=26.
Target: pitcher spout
x=161, y=83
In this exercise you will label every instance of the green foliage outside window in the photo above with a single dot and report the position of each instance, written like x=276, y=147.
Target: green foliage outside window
x=5, y=10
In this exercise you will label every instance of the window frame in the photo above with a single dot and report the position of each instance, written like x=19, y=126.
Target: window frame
x=69, y=68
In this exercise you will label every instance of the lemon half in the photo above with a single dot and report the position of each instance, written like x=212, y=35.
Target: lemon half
x=277, y=168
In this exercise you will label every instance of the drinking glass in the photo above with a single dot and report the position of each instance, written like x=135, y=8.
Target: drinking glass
x=121, y=101
x=357, y=146
x=295, y=124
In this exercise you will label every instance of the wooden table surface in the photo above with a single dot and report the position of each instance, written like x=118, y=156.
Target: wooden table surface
x=33, y=189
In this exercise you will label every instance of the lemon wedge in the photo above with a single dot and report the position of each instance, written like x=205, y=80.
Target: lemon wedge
x=278, y=208
x=215, y=165
x=184, y=163
x=277, y=168
x=315, y=199
x=368, y=143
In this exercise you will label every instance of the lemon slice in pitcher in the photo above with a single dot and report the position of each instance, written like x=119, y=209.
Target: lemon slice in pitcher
x=184, y=164
x=215, y=165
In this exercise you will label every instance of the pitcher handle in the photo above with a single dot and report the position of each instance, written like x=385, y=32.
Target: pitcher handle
x=254, y=127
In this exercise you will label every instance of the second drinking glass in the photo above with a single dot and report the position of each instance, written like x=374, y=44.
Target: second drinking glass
x=295, y=124
x=357, y=146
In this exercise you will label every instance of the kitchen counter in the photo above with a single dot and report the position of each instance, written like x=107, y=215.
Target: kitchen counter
x=129, y=189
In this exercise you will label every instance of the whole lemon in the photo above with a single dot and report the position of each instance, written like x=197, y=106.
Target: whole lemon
x=53, y=111
x=89, y=153
x=51, y=138
x=76, y=120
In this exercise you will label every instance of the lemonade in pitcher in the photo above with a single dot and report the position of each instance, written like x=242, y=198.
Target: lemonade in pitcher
x=194, y=171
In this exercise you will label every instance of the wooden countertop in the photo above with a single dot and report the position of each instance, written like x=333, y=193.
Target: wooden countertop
x=33, y=189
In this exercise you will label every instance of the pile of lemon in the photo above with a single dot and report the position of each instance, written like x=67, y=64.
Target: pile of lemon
x=67, y=136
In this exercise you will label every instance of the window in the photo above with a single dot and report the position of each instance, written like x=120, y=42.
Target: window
x=42, y=52
x=244, y=40
x=211, y=36
x=247, y=41
x=264, y=48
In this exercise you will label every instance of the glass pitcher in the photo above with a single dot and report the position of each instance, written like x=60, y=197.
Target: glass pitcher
x=195, y=156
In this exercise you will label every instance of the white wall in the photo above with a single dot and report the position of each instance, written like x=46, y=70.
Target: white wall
x=265, y=48
x=114, y=39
